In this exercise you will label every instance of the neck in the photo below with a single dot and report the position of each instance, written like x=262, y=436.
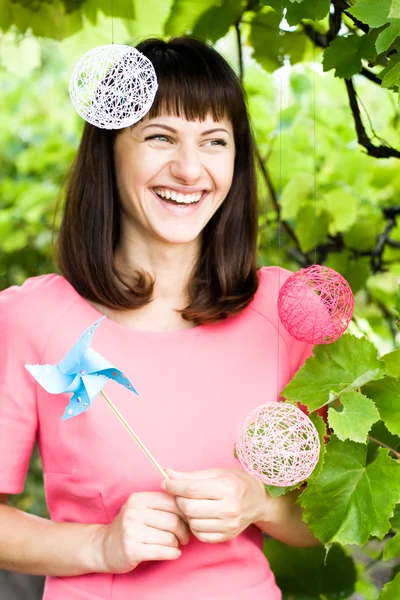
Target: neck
x=170, y=265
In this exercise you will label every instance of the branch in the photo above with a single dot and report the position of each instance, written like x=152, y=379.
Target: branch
x=376, y=254
x=381, y=151
x=397, y=454
x=371, y=76
x=240, y=52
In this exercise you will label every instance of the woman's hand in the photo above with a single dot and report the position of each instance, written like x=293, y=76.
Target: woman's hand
x=149, y=526
x=217, y=503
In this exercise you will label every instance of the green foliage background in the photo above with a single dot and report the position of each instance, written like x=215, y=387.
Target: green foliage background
x=322, y=87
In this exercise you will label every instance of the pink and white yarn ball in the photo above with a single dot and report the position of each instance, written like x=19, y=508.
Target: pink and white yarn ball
x=315, y=305
x=278, y=444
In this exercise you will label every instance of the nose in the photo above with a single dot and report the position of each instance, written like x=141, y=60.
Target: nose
x=186, y=165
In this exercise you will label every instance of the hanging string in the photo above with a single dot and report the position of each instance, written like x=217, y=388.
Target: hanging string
x=280, y=101
x=112, y=21
x=314, y=141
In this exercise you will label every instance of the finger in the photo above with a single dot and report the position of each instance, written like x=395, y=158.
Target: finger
x=200, y=509
x=149, y=535
x=203, y=474
x=168, y=522
x=157, y=552
x=207, y=525
x=206, y=489
x=155, y=501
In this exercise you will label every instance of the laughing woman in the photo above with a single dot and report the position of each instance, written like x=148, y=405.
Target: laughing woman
x=159, y=234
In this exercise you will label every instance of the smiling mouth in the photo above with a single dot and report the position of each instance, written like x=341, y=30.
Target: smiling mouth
x=173, y=197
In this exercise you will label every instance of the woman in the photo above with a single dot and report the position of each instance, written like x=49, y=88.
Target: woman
x=159, y=234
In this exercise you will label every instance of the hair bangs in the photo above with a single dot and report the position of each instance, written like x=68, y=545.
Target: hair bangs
x=192, y=82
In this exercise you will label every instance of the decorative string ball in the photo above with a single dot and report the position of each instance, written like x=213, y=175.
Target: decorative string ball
x=278, y=444
x=315, y=305
x=113, y=86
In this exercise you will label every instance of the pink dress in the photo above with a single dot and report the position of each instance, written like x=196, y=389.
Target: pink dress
x=195, y=386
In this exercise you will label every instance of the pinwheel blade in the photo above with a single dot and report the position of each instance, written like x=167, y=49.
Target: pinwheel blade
x=50, y=377
x=72, y=362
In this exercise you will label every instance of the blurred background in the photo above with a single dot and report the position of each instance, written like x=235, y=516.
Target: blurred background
x=328, y=149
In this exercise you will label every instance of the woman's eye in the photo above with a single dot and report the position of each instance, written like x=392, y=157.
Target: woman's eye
x=158, y=137
x=218, y=143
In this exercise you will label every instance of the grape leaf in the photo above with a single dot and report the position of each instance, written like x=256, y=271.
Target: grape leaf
x=343, y=55
x=391, y=590
x=319, y=423
x=309, y=571
x=342, y=206
x=371, y=12
x=392, y=547
x=392, y=362
x=392, y=77
x=395, y=10
x=350, y=500
x=343, y=366
x=307, y=9
x=386, y=395
x=294, y=193
x=388, y=35
x=214, y=23
x=356, y=419
x=184, y=14
x=312, y=224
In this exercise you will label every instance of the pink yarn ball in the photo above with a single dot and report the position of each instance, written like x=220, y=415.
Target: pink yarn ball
x=278, y=444
x=315, y=305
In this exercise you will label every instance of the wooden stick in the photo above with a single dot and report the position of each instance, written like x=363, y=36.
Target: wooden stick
x=133, y=434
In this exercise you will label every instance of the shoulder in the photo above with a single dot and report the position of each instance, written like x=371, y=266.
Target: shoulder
x=271, y=279
x=36, y=305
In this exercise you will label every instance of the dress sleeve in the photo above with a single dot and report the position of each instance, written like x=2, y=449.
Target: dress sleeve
x=18, y=414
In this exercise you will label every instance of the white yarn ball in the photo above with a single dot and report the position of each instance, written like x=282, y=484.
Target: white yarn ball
x=113, y=86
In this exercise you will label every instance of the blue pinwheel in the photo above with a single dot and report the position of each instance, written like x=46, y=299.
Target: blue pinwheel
x=83, y=372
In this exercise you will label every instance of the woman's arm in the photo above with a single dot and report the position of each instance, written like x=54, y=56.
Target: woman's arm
x=282, y=519
x=148, y=527
x=30, y=544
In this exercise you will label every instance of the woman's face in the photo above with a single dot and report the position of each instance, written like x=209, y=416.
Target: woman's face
x=172, y=176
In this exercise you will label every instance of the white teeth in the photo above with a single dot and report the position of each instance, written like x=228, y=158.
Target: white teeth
x=177, y=196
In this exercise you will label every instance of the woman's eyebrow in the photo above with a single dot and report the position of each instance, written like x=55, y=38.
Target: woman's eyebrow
x=208, y=132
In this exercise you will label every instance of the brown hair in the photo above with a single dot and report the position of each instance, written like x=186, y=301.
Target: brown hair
x=194, y=80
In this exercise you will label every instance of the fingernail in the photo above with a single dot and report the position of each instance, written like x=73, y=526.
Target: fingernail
x=164, y=485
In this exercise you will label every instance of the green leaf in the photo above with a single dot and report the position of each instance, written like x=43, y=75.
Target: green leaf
x=343, y=207
x=392, y=362
x=309, y=571
x=392, y=547
x=265, y=26
x=392, y=77
x=312, y=225
x=387, y=36
x=307, y=9
x=294, y=193
x=362, y=235
x=321, y=428
x=345, y=54
x=342, y=55
x=214, y=23
x=345, y=365
x=371, y=12
x=386, y=395
x=356, y=418
x=350, y=501
x=395, y=10
x=184, y=14
x=391, y=590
